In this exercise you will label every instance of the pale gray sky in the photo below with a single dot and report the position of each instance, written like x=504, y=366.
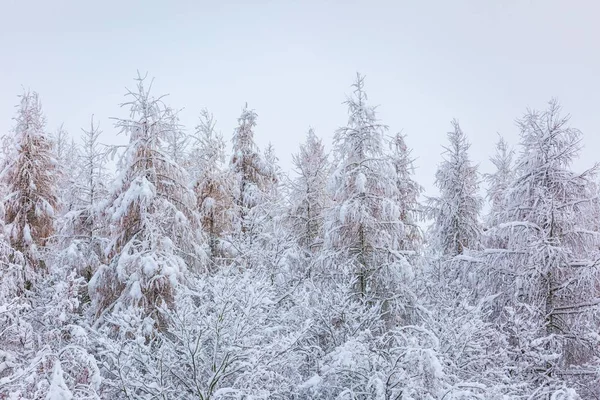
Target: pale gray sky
x=426, y=62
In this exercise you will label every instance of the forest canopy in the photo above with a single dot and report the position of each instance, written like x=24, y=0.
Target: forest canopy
x=198, y=268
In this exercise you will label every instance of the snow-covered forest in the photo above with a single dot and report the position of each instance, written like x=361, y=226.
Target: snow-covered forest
x=189, y=265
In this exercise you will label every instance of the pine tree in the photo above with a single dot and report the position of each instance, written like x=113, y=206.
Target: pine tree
x=455, y=212
x=154, y=232
x=30, y=177
x=363, y=226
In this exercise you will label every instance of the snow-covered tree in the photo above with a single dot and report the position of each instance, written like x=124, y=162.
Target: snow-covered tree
x=455, y=212
x=212, y=184
x=14, y=329
x=66, y=153
x=176, y=139
x=308, y=195
x=346, y=350
x=408, y=194
x=227, y=340
x=63, y=144
x=363, y=225
x=250, y=174
x=273, y=171
x=92, y=185
x=30, y=176
x=82, y=229
x=500, y=180
x=548, y=268
x=272, y=239
x=154, y=230
x=44, y=345
x=193, y=279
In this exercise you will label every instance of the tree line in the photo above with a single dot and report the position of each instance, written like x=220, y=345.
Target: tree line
x=192, y=272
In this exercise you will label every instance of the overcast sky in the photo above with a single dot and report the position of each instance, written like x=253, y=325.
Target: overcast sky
x=426, y=62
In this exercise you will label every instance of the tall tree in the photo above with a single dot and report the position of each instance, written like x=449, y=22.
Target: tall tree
x=66, y=155
x=455, y=212
x=36, y=330
x=408, y=194
x=212, y=184
x=82, y=227
x=273, y=171
x=308, y=195
x=363, y=225
x=501, y=180
x=154, y=230
x=250, y=173
x=176, y=139
x=30, y=178
x=548, y=268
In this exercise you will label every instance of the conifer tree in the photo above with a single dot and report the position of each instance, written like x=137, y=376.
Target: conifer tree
x=408, y=194
x=37, y=330
x=363, y=226
x=30, y=177
x=269, y=218
x=154, y=231
x=212, y=183
x=66, y=153
x=82, y=227
x=274, y=173
x=308, y=195
x=176, y=139
x=500, y=181
x=250, y=174
x=455, y=212
x=547, y=269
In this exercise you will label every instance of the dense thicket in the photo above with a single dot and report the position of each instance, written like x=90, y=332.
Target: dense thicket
x=185, y=276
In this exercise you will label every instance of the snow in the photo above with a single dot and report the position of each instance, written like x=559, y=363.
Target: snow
x=149, y=265
x=252, y=284
x=361, y=182
x=135, y=291
x=27, y=234
x=565, y=394
x=58, y=388
x=314, y=381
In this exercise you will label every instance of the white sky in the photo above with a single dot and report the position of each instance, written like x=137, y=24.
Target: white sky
x=483, y=62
